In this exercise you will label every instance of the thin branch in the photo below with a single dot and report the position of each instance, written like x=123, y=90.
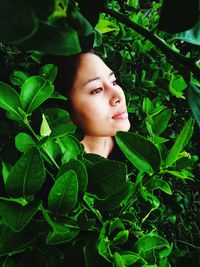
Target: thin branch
x=159, y=43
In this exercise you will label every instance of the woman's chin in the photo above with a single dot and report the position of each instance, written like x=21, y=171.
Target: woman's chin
x=124, y=127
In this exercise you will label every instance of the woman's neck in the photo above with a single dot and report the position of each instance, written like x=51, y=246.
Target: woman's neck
x=98, y=145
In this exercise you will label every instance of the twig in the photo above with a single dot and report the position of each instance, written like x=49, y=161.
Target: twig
x=176, y=57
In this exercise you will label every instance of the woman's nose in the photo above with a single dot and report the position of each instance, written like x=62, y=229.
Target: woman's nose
x=115, y=101
x=116, y=98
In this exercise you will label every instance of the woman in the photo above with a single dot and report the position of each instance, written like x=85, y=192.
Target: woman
x=96, y=102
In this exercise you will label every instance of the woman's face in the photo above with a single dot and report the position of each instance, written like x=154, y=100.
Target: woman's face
x=98, y=102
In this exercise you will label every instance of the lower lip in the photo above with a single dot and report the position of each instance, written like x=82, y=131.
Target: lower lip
x=121, y=116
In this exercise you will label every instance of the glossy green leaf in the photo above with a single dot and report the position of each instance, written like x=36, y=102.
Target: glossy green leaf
x=52, y=149
x=147, y=106
x=121, y=237
x=181, y=141
x=63, y=195
x=80, y=170
x=105, y=176
x=6, y=168
x=115, y=224
x=56, y=116
x=49, y=72
x=151, y=242
x=14, y=30
x=183, y=174
x=52, y=40
x=24, y=142
x=105, y=26
x=23, y=179
x=192, y=35
x=9, y=100
x=34, y=92
x=62, y=130
x=142, y=153
x=194, y=101
x=78, y=22
x=155, y=183
x=177, y=85
x=69, y=146
x=118, y=261
x=45, y=130
x=158, y=109
x=160, y=122
x=130, y=258
x=18, y=78
x=61, y=234
x=117, y=199
x=18, y=241
x=17, y=216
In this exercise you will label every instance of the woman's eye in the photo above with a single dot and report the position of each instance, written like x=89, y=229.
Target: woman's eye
x=96, y=91
x=114, y=82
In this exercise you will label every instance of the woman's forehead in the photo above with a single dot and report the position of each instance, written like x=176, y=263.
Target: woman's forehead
x=91, y=66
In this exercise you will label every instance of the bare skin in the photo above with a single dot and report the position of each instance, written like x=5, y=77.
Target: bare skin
x=99, y=105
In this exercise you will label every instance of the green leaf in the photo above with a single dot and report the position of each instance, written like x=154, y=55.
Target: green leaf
x=118, y=261
x=130, y=258
x=150, y=242
x=6, y=168
x=115, y=224
x=62, y=130
x=51, y=40
x=147, y=106
x=18, y=241
x=183, y=174
x=56, y=116
x=80, y=170
x=9, y=100
x=56, y=95
x=121, y=237
x=63, y=195
x=18, y=78
x=49, y=72
x=192, y=35
x=24, y=142
x=105, y=176
x=21, y=24
x=52, y=149
x=23, y=179
x=34, y=92
x=155, y=183
x=61, y=234
x=105, y=26
x=194, y=101
x=142, y=153
x=69, y=146
x=181, y=141
x=78, y=22
x=160, y=122
x=45, y=130
x=17, y=216
x=177, y=85
x=117, y=199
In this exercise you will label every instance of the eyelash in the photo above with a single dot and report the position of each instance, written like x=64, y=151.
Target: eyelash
x=98, y=90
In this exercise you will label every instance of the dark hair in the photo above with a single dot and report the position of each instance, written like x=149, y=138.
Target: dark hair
x=67, y=71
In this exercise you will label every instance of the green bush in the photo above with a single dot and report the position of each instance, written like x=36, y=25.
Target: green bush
x=59, y=206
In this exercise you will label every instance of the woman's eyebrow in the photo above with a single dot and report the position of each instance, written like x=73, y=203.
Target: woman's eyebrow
x=97, y=78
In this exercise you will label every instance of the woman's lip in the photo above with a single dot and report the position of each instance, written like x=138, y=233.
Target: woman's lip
x=120, y=115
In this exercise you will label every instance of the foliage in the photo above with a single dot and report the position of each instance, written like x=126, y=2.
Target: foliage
x=62, y=207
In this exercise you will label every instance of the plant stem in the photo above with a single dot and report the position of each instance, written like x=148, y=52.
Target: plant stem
x=159, y=43
x=44, y=150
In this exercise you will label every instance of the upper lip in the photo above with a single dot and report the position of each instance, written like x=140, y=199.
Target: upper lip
x=121, y=111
